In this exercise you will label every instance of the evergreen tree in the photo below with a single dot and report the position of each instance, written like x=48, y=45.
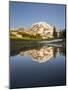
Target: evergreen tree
x=63, y=34
x=54, y=32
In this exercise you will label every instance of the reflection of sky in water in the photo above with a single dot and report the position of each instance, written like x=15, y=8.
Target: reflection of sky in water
x=26, y=72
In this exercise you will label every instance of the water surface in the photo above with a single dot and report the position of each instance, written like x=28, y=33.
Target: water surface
x=38, y=66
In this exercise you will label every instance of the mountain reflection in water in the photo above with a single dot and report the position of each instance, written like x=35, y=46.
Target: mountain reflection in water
x=42, y=54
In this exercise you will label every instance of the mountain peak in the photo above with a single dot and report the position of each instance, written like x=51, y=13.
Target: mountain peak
x=44, y=24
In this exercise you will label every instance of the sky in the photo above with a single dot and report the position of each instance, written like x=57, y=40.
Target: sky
x=24, y=14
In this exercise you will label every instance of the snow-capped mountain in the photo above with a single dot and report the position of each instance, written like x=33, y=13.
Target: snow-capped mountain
x=42, y=28
x=43, y=24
